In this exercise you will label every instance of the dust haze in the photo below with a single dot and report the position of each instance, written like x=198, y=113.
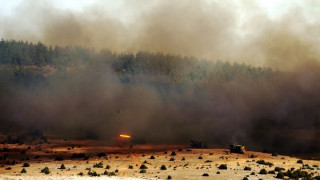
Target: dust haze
x=262, y=114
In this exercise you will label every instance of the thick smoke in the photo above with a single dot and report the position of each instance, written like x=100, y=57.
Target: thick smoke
x=242, y=32
x=271, y=114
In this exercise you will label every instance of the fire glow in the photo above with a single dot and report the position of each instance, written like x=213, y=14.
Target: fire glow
x=125, y=136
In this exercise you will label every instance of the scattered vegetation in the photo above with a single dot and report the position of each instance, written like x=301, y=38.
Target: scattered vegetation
x=98, y=165
x=247, y=168
x=264, y=163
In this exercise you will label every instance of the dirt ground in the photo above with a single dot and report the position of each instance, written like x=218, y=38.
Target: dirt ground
x=187, y=164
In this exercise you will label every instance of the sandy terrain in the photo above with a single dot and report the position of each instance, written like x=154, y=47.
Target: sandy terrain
x=44, y=155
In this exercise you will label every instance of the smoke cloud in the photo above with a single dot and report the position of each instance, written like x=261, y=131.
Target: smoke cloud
x=278, y=113
x=233, y=31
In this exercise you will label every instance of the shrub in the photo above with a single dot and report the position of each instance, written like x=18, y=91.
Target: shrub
x=98, y=165
x=8, y=168
x=130, y=167
x=80, y=174
x=245, y=178
x=143, y=171
x=152, y=157
x=26, y=165
x=173, y=153
x=274, y=154
x=211, y=154
x=93, y=173
x=183, y=159
x=163, y=167
x=223, y=166
x=205, y=174
x=300, y=161
x=45, y=170
x=271, y=172
x=23, y=170
x=105, y=172
x=208, y=161
x=263, y=171
x=279, y=169
x=171, y=159
x=143, y=166
x=280, y=175
x=199, y=157
x=108, y=167
x=62, y=166
x=169, y=177
x=265, y=163
x=247, y=168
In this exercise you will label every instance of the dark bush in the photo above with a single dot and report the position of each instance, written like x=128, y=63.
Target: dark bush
x=152, y=157
x=208, y=161
x=23, y=170
x=300, y=161
x=45, y=170
x=271, y=172
x=245, y=178
x=265, y=163
x=173, y=153
x=163, y=167
x=169, y=177
x=171, y=159
x=26, y=165
x=108, y=167
x=130, y=167
x=205, y=174
x=223, y=166
x=280, y=175
x=199, y=157
x=98, y=165
x=247, y=168
x=263, y=171
x=183, y=159
x=62, y=166
x=274, y=154
x=143, y=167
x=93, y=173
x=279, y=169
x=143, y=171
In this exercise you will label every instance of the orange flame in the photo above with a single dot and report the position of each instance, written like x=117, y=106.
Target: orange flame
x=125, y=136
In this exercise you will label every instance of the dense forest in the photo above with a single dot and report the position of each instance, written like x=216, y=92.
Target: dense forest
x=82, y=92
